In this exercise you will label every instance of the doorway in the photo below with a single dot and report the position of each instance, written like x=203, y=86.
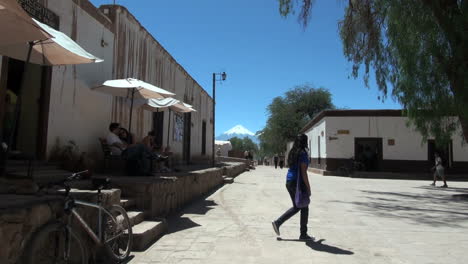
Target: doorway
x=158, y=125
x=30, y=132
x=187, y=130
x=445, y=153
x=203, y=150
x=369, y=152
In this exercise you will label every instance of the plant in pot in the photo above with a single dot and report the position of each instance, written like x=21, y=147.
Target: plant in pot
x=68, y=156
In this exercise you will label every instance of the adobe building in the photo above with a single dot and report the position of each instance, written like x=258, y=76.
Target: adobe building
x=336, y=136
x=59, y=106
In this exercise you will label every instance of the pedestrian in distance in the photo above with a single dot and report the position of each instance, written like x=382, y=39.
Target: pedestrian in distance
x=281, y=161
x=439, y=171
x=297, y=182
x=275, y=160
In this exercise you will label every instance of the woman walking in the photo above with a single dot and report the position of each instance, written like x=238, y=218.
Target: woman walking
x=298, y=161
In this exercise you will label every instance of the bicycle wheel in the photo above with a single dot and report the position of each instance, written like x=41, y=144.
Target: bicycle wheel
x=55, y=243
x=117, y=233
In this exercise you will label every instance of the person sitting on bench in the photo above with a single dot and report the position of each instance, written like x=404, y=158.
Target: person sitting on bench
x=137, y=155
x=160, y=158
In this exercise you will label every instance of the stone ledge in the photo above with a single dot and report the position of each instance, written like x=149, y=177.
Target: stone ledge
x=322, y=172
x=159, y=196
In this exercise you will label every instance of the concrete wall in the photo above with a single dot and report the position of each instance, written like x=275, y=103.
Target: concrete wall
x=160, y=197
x=138, y=55
x=313, y=134
x=77, y=113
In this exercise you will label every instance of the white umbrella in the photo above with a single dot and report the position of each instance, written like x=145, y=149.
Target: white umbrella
x=190, y=107
x=167, y=103
x=141, y=89
x=155, y=105
x=132, y=89
x=17, y=25
x=57, y=50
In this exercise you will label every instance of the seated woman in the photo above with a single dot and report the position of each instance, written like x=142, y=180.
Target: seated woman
x=137, y=156
x=125, y=136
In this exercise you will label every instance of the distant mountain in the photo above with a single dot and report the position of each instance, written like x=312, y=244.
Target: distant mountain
x=240, y=132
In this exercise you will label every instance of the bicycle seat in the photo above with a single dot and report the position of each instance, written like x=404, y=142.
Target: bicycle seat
x=101, y=183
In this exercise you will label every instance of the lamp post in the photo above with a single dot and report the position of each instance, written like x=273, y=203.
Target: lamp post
x=223, y=78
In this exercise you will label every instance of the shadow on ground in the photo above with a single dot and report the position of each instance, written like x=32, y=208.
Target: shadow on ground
x=320, y=246
x=436, y=207
x=180, y=224
x=200, y=206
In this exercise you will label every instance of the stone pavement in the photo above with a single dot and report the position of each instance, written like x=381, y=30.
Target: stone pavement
x=354, y=221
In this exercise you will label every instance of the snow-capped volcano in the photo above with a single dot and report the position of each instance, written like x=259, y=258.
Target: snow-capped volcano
x=238, y=131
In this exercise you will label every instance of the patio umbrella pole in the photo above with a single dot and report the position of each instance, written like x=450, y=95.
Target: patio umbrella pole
x=131, y=112
x=168, y=128
x=17, y=109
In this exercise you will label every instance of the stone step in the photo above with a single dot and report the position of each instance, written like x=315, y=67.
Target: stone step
x=135, y=217
x=228, y=180
x=146, y=233
x=127, y=203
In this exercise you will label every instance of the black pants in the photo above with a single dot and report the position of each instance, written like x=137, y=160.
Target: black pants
x=138, y=159
x=276, y=163
x=291, y=187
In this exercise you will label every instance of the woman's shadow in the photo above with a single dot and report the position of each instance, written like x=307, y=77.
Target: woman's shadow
x=319, y=246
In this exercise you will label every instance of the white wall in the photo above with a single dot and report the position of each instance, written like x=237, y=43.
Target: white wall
x=289, y=146
x=77, y=113
x=460, y=149
x=408, y=142
x=314, y=133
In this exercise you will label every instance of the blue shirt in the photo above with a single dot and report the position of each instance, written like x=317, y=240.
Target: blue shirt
x=292, y=172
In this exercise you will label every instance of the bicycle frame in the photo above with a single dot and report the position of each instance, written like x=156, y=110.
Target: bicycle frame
x=96, y=237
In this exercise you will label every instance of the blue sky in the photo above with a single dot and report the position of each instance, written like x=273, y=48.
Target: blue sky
x=263, y=54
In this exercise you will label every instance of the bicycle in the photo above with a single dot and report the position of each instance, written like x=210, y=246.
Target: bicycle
x=56, y=242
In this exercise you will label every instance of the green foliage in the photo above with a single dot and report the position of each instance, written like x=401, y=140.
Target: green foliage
x=236, y=143
x=416, y=47
x=289, y=114
x=243, y=144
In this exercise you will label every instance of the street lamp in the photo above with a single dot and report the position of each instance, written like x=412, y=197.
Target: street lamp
x=223, y=76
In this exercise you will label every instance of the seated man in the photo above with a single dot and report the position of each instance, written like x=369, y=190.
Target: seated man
x=137, y=155
x=159, y=157
x=148, y=141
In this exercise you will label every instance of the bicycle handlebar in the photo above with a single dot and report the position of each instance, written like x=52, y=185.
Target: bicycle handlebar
x=74, y=176
x=77, y=175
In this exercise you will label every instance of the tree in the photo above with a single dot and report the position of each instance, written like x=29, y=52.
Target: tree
x=249, y=145
x=417, y=47
x=243, y=144
x=288, y=115
x=237, y=143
